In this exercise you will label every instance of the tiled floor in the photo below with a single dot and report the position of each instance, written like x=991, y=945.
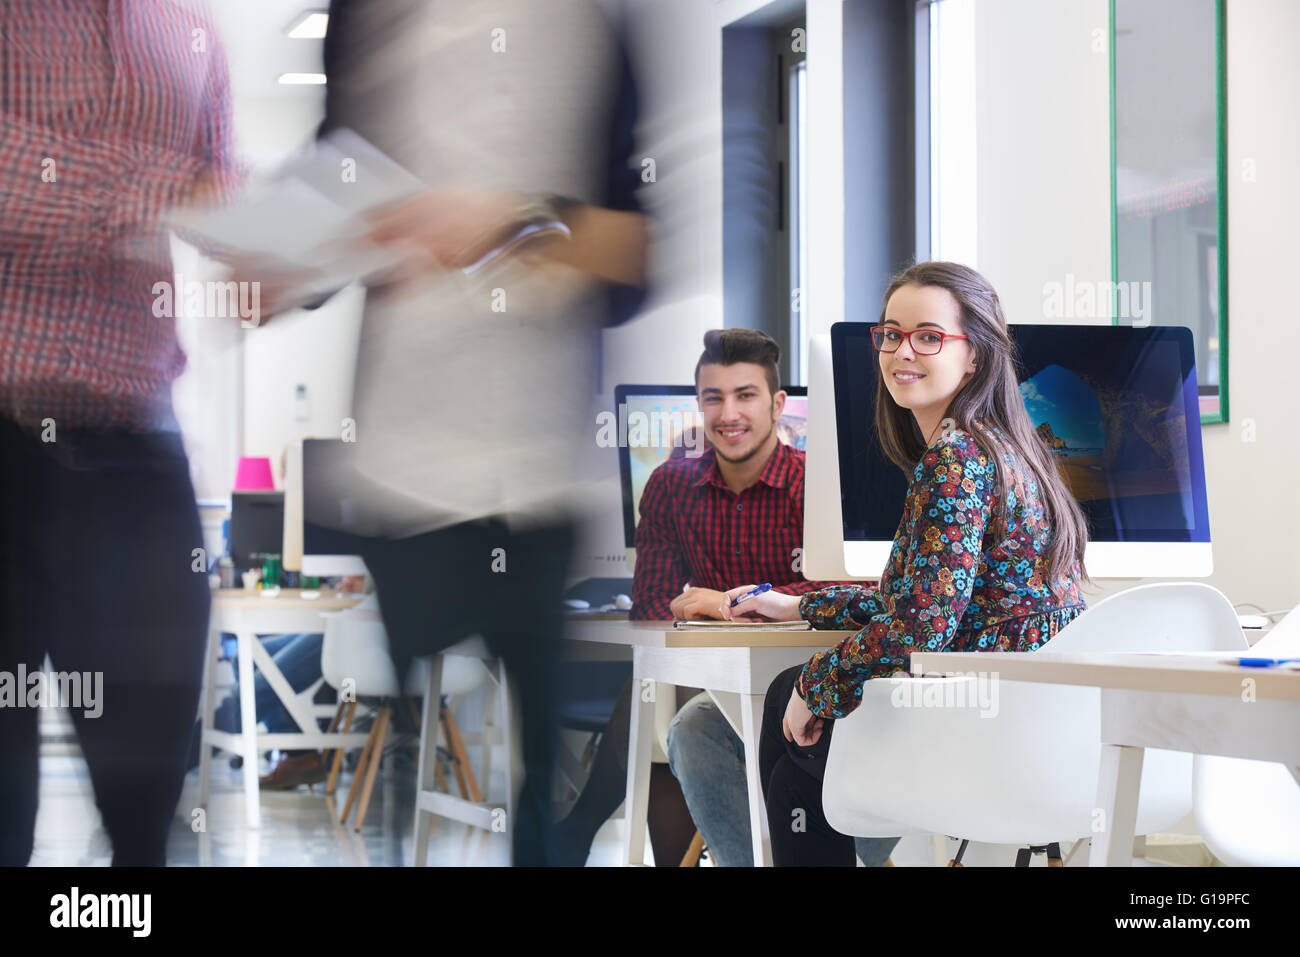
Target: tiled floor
x=299, y=828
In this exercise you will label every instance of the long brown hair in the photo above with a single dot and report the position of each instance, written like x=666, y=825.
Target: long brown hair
x=990, y=398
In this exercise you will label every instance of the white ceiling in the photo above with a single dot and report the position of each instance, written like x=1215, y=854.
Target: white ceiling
x=258, y=48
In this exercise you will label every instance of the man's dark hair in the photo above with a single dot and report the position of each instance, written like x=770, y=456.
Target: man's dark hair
x=726, y=347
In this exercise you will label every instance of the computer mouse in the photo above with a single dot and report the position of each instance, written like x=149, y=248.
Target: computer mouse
x=577, y=604
x=622, y=602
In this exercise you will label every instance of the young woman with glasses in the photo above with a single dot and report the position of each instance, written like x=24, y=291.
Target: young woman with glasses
x=989, y=550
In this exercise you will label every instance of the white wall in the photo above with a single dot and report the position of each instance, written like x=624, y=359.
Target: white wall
x=1252, y=484
x=1042, y=129
x=1044, y=195
x=313, y=348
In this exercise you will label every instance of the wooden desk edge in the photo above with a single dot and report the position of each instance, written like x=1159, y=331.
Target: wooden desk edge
x=751, y=638
x=1150, y=673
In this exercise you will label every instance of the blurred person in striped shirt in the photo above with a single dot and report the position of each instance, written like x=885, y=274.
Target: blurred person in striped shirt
x=111, y=112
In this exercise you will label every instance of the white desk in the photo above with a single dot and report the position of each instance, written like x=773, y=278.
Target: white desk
x=1178, y=703
x=735, y=666
x=246, y=615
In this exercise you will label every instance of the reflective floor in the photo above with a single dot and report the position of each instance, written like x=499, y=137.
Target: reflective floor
x=299, y=828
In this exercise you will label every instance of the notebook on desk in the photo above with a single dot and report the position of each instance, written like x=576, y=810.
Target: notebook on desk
x=797, y=624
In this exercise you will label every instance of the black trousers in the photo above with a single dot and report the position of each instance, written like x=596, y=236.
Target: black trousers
x=482, y=578
x=792, y=787
x=98, y=569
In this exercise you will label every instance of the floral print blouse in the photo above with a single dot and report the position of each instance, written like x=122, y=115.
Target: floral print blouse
x=950, y=584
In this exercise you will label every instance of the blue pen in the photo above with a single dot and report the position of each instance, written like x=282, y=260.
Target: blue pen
x=757, y=590
x=1264, y=662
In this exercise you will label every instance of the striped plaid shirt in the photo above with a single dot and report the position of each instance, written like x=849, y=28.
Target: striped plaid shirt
x=695, y=530
x=109, y=109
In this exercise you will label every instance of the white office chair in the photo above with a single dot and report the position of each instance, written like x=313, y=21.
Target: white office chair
x=1248, y=812
x=355, y=660
x=1028, y=775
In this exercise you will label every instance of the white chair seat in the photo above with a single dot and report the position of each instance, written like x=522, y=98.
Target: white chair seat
x=1248, y=812
x=355, y=648
x=1027, y=772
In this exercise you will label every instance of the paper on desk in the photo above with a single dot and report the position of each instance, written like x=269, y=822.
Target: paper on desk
x=1221, y=653
x=797, y=624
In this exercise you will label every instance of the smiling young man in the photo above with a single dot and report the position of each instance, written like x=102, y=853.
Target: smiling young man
x=731, y=515
x=734, y=513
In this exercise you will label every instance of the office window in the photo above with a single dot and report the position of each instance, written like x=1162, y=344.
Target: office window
x=953, y=233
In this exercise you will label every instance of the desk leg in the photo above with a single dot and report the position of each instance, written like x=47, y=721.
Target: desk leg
x=1117, y=796
x=751, y=720
x=207, y=710
x=248, y=727
x=636, y=804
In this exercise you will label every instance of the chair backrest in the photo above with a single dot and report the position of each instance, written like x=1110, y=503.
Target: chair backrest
x=1165, y=616
x=356, y=647
x=1246, y=811
x=1283, y=639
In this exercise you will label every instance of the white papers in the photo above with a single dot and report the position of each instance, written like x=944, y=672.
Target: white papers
x=797, y=624
x=308, y=218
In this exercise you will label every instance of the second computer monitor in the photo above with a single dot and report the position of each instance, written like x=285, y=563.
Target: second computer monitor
x=1118, y=408
x=657, y=423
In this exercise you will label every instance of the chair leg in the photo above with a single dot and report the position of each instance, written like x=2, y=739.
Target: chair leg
x=692, y=855
x=376, y=755
x=489, y=732
x=961, y=849
x=360, y=772
x=427, y=770
x=338, y=752
x=456, y=745
x=456, y=766
x=1053, y=852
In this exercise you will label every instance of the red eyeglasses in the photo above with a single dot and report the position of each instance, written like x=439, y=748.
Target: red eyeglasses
x=927, y=342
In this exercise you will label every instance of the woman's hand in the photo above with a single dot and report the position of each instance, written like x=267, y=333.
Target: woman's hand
x=769, y=606
x=799, y=724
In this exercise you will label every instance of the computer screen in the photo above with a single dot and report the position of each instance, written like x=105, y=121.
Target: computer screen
x=321, y=512
x=661, y=422
x=1118, y=407
x=256, y=527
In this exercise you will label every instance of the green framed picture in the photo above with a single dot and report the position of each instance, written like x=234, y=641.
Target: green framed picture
x=1168, y=181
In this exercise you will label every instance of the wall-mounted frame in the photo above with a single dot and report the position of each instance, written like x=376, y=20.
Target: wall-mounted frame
x=1168, y=178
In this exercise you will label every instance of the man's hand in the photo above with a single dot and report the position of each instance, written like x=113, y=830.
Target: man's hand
x=277, y=288
x=799, y=724
x=445, y=228
x=697, y=604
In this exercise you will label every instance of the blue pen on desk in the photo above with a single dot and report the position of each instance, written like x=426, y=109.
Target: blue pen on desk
x=1265, y=662
x=757, y=590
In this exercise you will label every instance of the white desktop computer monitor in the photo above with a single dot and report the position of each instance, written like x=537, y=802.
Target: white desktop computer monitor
x=657, y=423
x=599, y=550
x=313, y=503
x=1117, y=404
x=823, y=523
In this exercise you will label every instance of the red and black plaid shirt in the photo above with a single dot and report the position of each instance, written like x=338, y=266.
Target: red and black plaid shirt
x=695, y=530
x=109, y=109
